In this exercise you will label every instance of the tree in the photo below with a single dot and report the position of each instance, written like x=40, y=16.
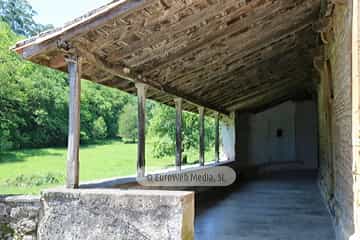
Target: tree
x=128, y=122
x=34, y=103
x=100, y=129
x=162, y=131
x=20, y=16
x=98, y=101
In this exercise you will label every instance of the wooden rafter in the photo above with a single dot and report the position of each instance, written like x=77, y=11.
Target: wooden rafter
x=216, y=54
x=48, y=40
x=125, y=73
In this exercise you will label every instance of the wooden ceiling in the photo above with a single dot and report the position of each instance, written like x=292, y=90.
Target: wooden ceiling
x=225, y=55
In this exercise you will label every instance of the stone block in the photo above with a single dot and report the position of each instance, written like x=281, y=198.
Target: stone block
x=116, y=214
x=19, y=217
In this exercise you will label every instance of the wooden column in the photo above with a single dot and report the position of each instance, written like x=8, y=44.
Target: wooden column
x=141, y=95
x=72, y=169
x=178, y=105
x=217, y=138
x=202, y=136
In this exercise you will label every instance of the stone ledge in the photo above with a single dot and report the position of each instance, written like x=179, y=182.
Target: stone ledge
x=131, y=182
x=116, y=214
x=14, y=199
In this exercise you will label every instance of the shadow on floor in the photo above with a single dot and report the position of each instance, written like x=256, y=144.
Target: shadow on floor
x=280, y=206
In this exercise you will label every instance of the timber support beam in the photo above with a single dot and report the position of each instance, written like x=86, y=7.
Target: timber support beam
x=202, y=136
x=141, y=96
x=72, y=169
x=179, y=149
x=126, y=73
x=217, y=138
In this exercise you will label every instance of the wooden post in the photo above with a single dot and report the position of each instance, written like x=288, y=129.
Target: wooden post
x=141, y=94
x=178, y=105
x=202, y=136
x=72, y=169
x=217, y=138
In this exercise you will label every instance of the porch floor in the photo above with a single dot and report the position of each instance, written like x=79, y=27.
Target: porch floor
x=282, y=207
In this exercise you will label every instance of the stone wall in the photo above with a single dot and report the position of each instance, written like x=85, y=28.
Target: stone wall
x=19, y=217
x=116, y=214
x=335, y=117
x=98, y=214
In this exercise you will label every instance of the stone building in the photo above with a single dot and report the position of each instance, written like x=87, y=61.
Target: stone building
x=281, y=77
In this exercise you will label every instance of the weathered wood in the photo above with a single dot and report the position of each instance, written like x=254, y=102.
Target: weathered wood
x=201, y=51
x=178, y=105
x=33, y=47
x=231, y=33
x=115, y=70
x=72, y=172
x=241, y=63
x=217, y=138
x=124, y=72
x=141, y=96
x=202, y=136
x=266, y=95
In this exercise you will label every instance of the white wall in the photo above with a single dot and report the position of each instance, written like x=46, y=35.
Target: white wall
x=227, y=134
x=285, y=134
x=265, y=145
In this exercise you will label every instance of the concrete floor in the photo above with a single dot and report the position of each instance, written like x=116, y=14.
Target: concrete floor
x=282, y=207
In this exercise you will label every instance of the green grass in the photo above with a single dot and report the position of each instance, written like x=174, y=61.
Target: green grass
x=29, y=171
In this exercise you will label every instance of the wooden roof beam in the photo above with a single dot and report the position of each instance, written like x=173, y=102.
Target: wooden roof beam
x=48, y=40
x=126, y=73
x=265, y=96
x=240, y=25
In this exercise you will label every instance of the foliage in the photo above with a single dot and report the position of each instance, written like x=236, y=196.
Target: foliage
x=100, y=129
x=100, y=109
x=128, y=122
x=34, y=180
x=19, y=15
x=162, y=131
x=34, y=103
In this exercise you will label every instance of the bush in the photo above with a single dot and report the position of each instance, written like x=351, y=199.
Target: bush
x=100, y=129
x=35, y=180
x=128, y=122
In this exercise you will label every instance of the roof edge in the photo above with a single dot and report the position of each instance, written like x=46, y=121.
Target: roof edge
x=90, y=17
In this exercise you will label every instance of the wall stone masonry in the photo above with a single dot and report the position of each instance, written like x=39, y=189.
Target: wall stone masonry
x=19, y=217
x=335, y=118
x=116, y=214
x=97, y=214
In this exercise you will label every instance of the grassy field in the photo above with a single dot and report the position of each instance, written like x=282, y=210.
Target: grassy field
x=29, y=171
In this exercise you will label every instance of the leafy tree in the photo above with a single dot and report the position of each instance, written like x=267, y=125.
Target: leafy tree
x=34, y=103
x=100, y=129
x=128, y=122
x=20, y=16
x=162, y=131
x=100, y=101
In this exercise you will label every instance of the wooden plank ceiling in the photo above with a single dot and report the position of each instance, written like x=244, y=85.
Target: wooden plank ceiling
x=222, y=54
